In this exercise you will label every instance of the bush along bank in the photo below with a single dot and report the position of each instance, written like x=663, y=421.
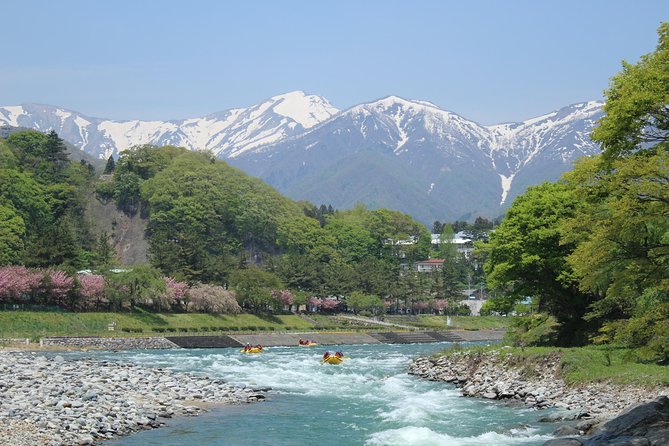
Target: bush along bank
x=535, y=381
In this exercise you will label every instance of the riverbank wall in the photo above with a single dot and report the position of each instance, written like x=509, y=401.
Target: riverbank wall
x=271, y=339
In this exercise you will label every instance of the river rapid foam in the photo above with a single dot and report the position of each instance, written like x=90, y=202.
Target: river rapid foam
x=368, y=400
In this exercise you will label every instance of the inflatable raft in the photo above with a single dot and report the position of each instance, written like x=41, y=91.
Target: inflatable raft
x=252, y=350
x=310, y=344
x=333, y=359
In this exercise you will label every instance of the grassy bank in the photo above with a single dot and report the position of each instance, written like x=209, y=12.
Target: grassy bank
x=457, y=322
x=589, y=364
x=29, y=324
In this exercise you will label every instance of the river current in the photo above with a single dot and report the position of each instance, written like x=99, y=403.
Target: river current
x=368, y=400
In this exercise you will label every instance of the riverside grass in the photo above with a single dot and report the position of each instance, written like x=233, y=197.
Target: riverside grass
x=35, y=324
x=583, y=365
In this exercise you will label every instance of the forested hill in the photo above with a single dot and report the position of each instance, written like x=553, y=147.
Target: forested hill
x=203, y=220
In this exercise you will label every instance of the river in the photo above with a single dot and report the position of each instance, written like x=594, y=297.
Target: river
x=368, y=400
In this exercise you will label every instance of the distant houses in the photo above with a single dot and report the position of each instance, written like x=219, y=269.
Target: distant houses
x=429, y=266
x=462, y=240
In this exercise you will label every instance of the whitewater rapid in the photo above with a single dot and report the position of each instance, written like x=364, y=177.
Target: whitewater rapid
x=368, y=400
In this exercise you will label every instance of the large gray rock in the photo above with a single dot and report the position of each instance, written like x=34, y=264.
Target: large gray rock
x=644, y=424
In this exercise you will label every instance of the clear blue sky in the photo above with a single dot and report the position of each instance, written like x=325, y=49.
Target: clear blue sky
x=490, y=61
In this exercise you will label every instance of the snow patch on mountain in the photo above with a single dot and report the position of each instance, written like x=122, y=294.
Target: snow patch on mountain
x=506, y=186
x=10, y=114
x=307, y=110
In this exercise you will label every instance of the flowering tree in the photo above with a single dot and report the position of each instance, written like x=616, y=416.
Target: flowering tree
x=91, y=290
x=212, y=299
x=439, y=305
x=174, y=294
x=17, y=281
x=283, y=297
x=329, y=304
x=57, y=284
x=314, y=303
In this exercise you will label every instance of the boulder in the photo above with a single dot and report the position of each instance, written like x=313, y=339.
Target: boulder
x=643, y=424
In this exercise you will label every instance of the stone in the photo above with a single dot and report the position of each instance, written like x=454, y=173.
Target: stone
x=646, y=421
x=566, y=431
x=563, y=442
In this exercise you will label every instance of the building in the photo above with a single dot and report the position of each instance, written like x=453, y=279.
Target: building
x=462, y=241
x=429, y=266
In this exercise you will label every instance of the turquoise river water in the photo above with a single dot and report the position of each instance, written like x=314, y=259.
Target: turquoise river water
x=368, y=400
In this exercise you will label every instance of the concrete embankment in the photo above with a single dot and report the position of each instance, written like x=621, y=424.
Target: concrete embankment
x=272, y=339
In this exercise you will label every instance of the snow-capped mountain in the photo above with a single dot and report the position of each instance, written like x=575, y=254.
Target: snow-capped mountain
x=227, y=133
x=402, y=154
x=428, y=162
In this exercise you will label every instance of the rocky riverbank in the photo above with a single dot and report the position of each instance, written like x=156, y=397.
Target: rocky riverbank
x=539, y=384
x=53, y=401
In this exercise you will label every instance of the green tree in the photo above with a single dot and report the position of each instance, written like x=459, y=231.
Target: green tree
x=528, y=257
x=636, y=112
x=254, y=286
x=12, y=234
x=110, y=166
x=140, y=285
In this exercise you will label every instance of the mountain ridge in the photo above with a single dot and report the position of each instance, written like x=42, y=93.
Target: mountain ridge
x=294, y=140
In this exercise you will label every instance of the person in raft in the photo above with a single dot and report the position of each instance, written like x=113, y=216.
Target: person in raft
x=302, y=342
x=326, y=355
x=247, y=347
x=339, y=354
x=259, y=347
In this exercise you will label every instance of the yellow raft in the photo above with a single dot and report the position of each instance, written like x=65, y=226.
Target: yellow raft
x=252, y=350
x=333, y=359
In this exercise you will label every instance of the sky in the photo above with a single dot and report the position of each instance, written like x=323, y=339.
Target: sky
x=488, y=61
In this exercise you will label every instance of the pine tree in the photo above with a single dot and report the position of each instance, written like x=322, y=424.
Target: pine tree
x=111, y=165
x=55, y=154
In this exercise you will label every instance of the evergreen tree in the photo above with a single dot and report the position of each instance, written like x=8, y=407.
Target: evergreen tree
x=110, y=166
x=55, y=156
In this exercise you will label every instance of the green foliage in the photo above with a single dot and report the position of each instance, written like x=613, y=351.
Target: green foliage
x=636, y=113
x=110, y=166
x=358, y=301
x=41, y=186
x=12, y=233
x=502, y=305
x=528, y=257
x=137, y=286
x=254, y=287
x=536, y=329
x=622, y=230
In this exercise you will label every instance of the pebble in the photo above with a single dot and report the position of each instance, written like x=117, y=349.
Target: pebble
x=57, y=401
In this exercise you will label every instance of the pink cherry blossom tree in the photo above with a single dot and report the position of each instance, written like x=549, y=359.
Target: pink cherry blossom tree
x=314, y=303
x=16, y=282
x=91, y=291
x=57, y=284
x=330, y=304
x=174, y=294
x=283, y=297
